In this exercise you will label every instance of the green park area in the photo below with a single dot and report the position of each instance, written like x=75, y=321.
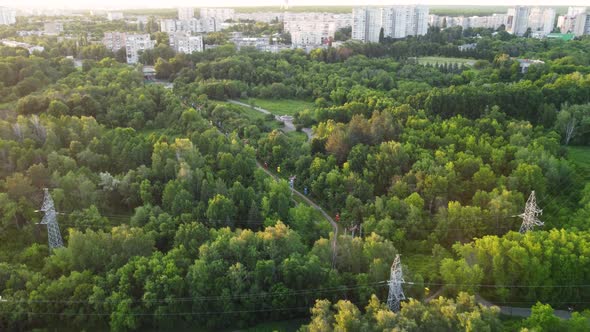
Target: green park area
x=280, y=106
x=580, y=156
x=434, y=60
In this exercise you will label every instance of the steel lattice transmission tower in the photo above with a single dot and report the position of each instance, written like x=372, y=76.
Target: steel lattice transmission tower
x=50, y=219
x=529, y=216
x=396, y=292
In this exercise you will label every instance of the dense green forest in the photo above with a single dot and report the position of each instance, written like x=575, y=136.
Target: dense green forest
x=170, y=221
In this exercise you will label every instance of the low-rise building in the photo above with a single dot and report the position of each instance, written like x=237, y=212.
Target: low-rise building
x=524, y=64
x=114, y=16
x=28, y=47
x=53, y=28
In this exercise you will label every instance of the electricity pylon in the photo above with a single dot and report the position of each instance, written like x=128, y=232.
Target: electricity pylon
x=50, y=219
x=396, y=292
x=529, y=216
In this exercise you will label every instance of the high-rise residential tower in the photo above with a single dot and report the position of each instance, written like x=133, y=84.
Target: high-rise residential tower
x=396, y=22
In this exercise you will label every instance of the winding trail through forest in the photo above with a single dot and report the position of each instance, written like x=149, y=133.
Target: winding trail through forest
x=286, y=120
x=519, y=312
x=313, y=205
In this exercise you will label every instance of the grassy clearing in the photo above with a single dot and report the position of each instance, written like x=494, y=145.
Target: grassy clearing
x=280, y=106
x=254, y=116
x=301, y=137
x=580, y=156
x=423, y=265
x=282, y=326
x=433, y=60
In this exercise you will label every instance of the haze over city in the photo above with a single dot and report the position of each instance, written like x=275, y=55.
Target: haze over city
x=87, y=4
x=306, y=166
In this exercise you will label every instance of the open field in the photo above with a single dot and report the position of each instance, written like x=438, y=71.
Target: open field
x=280, y=106
x=580, y=156
x=254, y=115
x=433, y=60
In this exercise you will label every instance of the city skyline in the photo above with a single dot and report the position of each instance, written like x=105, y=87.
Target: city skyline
x=113, y=4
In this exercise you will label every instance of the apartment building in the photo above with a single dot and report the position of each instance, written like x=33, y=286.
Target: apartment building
x=185, y=43
x=396, y=22
x=7, y=16
x=114, y=41
x=135, y=43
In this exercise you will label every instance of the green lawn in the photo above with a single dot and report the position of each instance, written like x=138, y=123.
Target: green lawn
x=442, y=60
x=580, y=156
x=281, y=326
x=254, y=115
x=280, y=106
x=300, y=136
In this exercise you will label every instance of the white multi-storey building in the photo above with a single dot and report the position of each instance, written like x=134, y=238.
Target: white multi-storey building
x=541, y=21
x=134, y=43
x=114, y=16
x=185, y=43
x=170, y=26
x=7, y=16
x=576, y=21
x=114, y=41
x=396, y=22
x=53, y=28
x=518, y=20
x=489, y=22
x=186, y=13
x=259, y=17
x=219, y=14
x=313, y=28
x=194, y=25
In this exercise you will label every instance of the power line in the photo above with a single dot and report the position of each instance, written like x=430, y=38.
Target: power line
x=384, y=283
x=210, y=298
x=496, y=286
x=158, y=314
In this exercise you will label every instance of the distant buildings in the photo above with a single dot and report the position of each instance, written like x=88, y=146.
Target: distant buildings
x=28, y=47
x=396, y=22
x=194, y=25
x=114, y=41
x=185, y=43
x=518, y=19
x=185, y=14
x=219, y=14
x=489, y=22
x=540, y=20
x=134, y=43
x=314, y=28
x=114, y=16
x=576, y=21
x=7, y=16
x=53, y=28
x=265, y=17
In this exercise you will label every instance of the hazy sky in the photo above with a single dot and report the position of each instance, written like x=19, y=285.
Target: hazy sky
x=227, y=3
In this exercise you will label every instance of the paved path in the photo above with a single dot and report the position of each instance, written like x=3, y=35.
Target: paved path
x=519, y=312
x=315, y=206
x=286, y=120
x=259, y=109
x=434, y=296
